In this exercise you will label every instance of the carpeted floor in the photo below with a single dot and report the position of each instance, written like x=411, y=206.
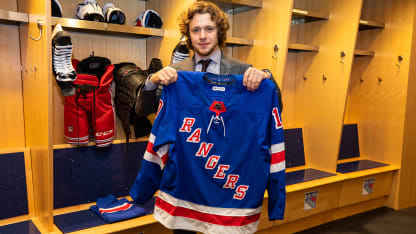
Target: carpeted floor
x=382, y=220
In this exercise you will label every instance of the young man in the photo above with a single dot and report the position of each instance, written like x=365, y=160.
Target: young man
x=205, y=27
x=191, y=199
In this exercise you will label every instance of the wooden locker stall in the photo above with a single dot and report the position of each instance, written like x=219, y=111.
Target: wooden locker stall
x=25, y=129
x=119, y=43
x=317, y=81
x=380, y=89
x=318, y=64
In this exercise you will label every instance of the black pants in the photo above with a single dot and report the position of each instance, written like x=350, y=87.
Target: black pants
x=177, y=231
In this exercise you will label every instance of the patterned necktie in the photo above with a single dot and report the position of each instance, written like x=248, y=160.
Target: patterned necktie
x=205, y=64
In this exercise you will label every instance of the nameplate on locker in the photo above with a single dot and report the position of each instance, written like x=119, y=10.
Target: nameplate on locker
x=368, y=186
x=310, y=200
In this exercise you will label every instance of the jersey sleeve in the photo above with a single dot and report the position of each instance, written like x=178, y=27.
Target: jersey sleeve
x=157, y=150
x=277, y=179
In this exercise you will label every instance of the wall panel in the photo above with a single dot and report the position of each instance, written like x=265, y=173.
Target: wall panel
x=11, y=99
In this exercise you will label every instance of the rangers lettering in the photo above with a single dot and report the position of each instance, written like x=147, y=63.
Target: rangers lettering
x=240, y=192
x=231, y=181
x=276, y=118
x=220, y=172
x=212, y=162
x=204, y=149
x=195, y=137
x=187, y=124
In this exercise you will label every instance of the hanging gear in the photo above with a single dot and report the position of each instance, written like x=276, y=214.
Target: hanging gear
x=92, y=106
x=129, y=79
x=64, y=72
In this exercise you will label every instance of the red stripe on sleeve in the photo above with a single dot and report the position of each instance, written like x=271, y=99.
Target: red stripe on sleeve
x=278, y=157
x=149, y=148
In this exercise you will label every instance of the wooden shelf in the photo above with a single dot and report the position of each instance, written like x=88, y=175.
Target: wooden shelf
x=300, y=16
x=294, y=47
x=77, y=25
x=362, y=53
x=236, y=41
x=237, y=6
x=370, y=24
x=13, y=17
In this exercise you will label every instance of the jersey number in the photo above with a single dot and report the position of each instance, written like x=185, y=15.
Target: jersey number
x=276, y=118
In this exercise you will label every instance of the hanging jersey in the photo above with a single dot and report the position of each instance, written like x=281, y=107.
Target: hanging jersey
x=213, y=151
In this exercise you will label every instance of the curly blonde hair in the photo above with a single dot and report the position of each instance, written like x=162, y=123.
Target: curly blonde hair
x=202, y=7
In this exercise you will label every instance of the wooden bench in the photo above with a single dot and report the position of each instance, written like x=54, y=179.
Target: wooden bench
x=367, y=179
x=309, y=190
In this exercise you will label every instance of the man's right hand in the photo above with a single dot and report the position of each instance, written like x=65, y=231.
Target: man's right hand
x=165, y=76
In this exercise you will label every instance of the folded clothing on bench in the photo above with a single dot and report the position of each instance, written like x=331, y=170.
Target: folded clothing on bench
x=111, y=209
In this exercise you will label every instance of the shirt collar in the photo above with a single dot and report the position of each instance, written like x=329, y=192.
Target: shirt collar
x=215, y=57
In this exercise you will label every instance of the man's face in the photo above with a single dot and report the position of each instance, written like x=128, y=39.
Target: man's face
x=204, y=34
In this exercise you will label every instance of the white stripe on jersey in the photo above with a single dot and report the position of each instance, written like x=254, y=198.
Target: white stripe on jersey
x=207, y=209
x=276, y=148
x=277, y=167
x=154, y=159
x=152, y=138
x=162, y=151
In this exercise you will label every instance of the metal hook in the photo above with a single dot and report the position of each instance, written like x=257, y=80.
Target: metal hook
x=40, y=23
x=400, y=59
x=275, y=49
x=343, y=54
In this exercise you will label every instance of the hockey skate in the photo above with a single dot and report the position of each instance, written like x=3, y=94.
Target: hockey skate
x=180, y=52
x=61, y=56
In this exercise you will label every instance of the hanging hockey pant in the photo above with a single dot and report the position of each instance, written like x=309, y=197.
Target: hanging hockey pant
x=91, y=108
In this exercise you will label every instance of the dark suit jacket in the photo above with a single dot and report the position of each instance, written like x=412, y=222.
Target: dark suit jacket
x=147, y=101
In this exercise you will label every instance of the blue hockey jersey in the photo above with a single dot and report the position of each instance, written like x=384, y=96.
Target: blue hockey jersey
x=213, y=151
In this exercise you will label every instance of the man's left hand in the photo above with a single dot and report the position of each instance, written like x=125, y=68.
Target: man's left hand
x=253, y=77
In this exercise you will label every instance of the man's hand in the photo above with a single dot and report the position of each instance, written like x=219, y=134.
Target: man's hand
x=165, y=76
x=253, y=77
